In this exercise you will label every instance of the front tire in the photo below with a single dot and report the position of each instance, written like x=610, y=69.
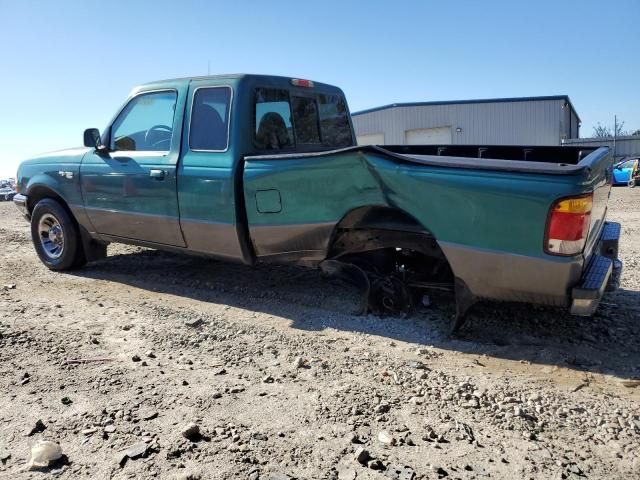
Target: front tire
x=55, y=236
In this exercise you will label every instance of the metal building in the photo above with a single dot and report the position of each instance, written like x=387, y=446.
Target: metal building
x=498, y=121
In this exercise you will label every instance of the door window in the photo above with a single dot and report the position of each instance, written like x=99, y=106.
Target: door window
x=146, y=123
x=210, y=119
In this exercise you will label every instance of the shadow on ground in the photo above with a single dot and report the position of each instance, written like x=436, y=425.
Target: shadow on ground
x=607, y=343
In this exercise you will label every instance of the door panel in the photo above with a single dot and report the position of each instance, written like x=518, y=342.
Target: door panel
x=123, y=199
x=132, y=193
x=206, y=174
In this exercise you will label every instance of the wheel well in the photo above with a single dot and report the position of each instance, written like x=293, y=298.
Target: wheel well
x=38, y=193
x=380, y=234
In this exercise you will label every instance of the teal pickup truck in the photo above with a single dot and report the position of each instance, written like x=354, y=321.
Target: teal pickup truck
x=251, y=168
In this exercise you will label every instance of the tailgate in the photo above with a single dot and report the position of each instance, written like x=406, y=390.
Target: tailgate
x=600, y=179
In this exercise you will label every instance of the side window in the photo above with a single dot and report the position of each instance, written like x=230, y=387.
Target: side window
x=146, y=123
x=305, y=119
x=273, y=130
x=210, y=119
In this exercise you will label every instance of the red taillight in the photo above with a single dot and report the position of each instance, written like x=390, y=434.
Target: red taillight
x=298, y=82
x=568, y=225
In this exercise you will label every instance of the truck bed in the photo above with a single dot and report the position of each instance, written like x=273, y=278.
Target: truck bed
x=528, y=159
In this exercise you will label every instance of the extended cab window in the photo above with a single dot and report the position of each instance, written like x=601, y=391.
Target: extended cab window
x=210, y=119
x=146, y=123
x=273, y=129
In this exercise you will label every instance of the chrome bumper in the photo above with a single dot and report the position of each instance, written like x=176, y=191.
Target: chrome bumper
x=20, y=201
x=602, y=274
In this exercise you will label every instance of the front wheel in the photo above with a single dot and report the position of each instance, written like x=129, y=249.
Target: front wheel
x=55, y=236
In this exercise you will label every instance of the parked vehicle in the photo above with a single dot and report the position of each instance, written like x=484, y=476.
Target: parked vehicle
x=251, y=169
x=626, y=172
x=7, y=194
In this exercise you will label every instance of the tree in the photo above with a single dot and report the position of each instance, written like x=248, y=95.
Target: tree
x=637, y=132
x=600, y=131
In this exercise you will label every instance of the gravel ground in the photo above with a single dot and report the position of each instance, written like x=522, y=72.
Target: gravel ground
x=283, y=381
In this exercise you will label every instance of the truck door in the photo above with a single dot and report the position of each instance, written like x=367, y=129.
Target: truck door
x=131, y=192
x=206, y=172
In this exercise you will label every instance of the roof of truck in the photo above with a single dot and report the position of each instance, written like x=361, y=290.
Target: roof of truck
x=478, y=100
x=233, y=76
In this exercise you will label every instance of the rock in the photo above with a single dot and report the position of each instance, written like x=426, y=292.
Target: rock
x=300, y=362
x=4, y=456
x=150, y=354
x=382, y=408
x=148, y=415
x=136, y=358
x=44, y=453
x=362, y=455
x=137, y=450
x=276, y=476
x=267, y=379
x=193, y=322
x=9, y=286
x=216, y=394
x=386, y=438
x=66, y=401
x=191, y=432
x=375, y=464
x=630, y=382
x=110, y=428
x=399, y=472
x=89, y=431
x=39, y=427
x=347, y=474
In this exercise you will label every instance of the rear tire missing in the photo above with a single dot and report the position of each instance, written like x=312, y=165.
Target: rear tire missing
x=55, y=236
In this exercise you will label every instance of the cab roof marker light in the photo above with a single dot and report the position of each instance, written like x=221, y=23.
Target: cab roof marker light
x=298, y=82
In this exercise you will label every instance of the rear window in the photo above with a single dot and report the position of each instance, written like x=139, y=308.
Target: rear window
x=285, y=120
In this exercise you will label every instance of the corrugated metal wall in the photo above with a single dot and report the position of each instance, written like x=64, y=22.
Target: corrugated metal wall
x=625, y=146
x=541, y=122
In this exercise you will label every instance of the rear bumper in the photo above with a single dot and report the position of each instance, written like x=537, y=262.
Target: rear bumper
x=20, y=201
x=602, y=273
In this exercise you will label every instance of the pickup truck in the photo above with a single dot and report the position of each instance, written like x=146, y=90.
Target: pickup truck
x=251, y=168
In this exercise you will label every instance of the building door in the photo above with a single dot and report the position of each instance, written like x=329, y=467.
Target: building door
x=428, y=136
x=371, y=139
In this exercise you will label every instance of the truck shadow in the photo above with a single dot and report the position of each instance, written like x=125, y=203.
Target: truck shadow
x=607, y=343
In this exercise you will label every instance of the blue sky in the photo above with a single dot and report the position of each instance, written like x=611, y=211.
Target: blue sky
x=68, y=65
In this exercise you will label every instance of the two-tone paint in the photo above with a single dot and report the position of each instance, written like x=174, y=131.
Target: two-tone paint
x=488, y=216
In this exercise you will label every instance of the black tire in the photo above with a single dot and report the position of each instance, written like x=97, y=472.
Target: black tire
x=65, y=255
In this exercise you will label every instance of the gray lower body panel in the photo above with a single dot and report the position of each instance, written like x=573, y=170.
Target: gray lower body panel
x=300, y=243
x=517, y=278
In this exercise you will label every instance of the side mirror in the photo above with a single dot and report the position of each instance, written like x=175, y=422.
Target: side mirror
x=92, y=139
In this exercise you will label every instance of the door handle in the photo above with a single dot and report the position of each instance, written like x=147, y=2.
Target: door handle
x=156, y=173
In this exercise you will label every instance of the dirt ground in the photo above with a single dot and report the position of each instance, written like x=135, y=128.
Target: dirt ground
x=285, y=381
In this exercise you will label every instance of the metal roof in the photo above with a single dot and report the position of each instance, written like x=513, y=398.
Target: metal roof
x=479, y=100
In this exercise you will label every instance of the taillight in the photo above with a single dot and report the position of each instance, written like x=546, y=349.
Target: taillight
x=568, y=225
x=298, y=82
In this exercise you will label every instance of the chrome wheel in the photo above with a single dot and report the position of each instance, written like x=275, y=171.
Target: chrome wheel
x=51, y=236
